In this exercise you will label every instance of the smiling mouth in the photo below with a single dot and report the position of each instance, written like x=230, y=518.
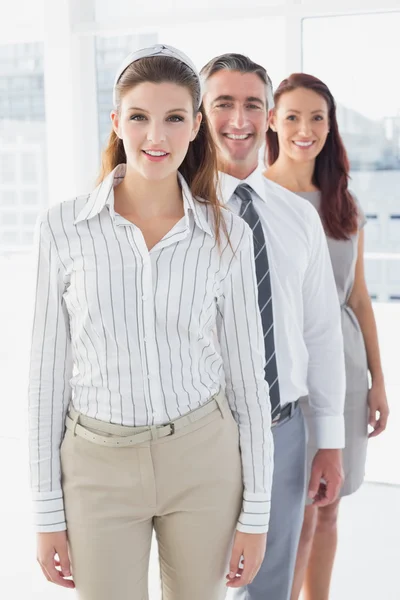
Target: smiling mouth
x=235, y=136
x=155, y=153
x=303, y=144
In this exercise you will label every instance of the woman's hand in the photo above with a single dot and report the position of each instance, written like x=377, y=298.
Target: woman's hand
x=53, y=557
x=377, y=403
x=252, y=547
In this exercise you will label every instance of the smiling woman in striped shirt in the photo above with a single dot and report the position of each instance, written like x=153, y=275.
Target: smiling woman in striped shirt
x=148, y=404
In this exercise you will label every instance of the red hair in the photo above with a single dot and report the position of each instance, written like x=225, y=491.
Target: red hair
x=339, y=212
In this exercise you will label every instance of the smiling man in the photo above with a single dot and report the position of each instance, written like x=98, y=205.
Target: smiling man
x=300, y=314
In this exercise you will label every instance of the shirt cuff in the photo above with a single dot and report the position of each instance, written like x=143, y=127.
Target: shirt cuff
x=254, y=517
x=49, y=511
x=326, y=432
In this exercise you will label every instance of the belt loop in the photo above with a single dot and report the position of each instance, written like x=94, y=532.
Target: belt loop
x=75, y=422
x=219, y=399
x=292, y=408
x=154, y=432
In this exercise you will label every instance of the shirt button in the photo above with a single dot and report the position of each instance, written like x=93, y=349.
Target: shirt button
x=144, y=297
x=148, y=376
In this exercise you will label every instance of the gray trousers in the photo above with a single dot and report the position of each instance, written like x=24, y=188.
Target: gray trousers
x=274, y=579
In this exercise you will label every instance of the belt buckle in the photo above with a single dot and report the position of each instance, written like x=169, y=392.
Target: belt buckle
x=172, y=426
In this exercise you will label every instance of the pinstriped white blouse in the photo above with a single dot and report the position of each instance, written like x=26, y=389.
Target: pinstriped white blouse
x=138, y=337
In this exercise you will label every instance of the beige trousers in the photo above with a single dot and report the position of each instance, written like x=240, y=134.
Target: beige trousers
x=187, y=486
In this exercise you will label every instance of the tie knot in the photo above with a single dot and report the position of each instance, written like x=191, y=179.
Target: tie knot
x=243, y=192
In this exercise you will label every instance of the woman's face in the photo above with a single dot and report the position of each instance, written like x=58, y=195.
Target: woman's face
x=301, y=120
x=156, y=124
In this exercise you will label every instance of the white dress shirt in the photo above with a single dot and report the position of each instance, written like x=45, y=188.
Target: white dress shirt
x=307, y=320
x=138, y=337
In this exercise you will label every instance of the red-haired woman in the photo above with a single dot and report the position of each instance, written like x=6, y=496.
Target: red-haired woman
x=306, y=155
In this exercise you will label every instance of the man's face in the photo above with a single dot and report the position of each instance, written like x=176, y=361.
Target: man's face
x=236, y=107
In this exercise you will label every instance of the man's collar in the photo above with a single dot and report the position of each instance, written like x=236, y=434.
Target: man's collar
x=103, y=196
x=228, y=184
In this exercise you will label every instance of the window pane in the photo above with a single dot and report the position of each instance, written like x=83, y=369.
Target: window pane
x=29, y=218
x=7, y=168
x=7, y=197
x=29, y=167
x=30, y=198
x=8, y=218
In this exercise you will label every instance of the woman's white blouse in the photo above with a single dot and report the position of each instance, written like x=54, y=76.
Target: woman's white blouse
x=138, y=337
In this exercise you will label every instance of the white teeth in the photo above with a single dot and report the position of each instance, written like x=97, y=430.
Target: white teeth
x=232, y=136
x=155, y=153
x=304, y=144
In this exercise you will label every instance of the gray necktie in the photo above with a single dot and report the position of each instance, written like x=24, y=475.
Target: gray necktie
x=250, y=215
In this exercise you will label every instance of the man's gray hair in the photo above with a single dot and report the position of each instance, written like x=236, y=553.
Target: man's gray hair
x=241, y=63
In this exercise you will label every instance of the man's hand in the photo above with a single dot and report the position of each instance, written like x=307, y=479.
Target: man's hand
x=252, y=547
x=326, y=466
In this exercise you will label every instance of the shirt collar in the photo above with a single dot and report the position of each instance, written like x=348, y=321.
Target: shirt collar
x=228, y=184
x=198, y=208
x=103, y=196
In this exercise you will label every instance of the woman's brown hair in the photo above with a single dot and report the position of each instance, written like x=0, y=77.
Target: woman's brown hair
x=199, y=168
x=331, y=173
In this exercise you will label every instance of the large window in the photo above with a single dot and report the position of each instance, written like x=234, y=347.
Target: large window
x=23, y=193
x=359, y=72
x=22, y=144
x=355, y=55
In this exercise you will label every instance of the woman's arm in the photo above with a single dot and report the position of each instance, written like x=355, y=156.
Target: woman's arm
x=361, y=305
x=49, y=390
x=242, y=348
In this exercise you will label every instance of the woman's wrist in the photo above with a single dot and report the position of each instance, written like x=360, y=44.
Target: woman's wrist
x=377, y=379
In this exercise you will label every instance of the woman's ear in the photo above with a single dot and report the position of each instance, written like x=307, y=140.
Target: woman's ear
x=272, y=119
x=115, y=123
x=197, y=122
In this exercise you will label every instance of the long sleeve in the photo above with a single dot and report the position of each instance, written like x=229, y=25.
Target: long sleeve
x=49, y=390
x=242, y=348
x=324, y=341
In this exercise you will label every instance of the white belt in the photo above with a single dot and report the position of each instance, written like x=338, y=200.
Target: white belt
x=80, y=425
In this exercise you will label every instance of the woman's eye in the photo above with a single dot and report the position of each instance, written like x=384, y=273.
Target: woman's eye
x=175, y=119
x=137, y=118
x=319, y=118
x=291, y=118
